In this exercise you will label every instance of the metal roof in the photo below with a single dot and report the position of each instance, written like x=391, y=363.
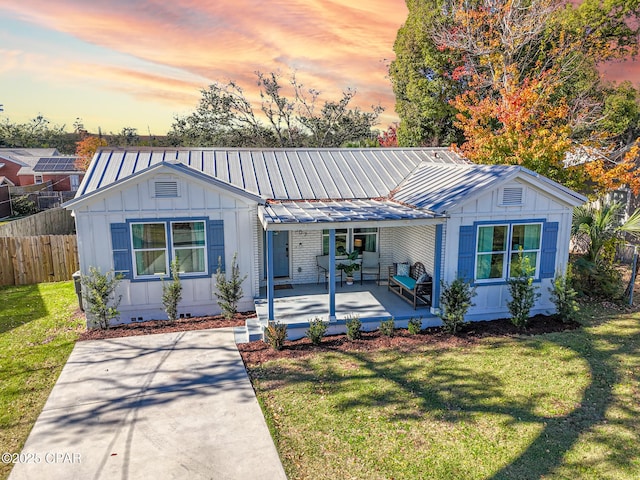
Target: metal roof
x=303, y=212
x=436, y=187
x=281, y=174
x=56, y=164
x=310, y=186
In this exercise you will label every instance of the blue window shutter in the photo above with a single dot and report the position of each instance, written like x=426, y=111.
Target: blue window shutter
x=216, y=244
x=467, y=252
x=121, y=244
x=549, y=249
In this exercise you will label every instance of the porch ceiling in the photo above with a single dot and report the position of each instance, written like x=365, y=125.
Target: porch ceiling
x=305, y=215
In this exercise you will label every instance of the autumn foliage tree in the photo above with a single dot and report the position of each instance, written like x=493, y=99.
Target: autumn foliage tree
x=528, y=85
x=86, y=149
x=389, y=137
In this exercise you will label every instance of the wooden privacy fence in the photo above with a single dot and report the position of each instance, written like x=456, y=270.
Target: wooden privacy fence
x=45, y=258
x=56, y=221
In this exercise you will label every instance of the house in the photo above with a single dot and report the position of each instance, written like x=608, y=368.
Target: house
x=279, y=209
x=32, y=166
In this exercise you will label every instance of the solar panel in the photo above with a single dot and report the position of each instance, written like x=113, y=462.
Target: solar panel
x=56, y=164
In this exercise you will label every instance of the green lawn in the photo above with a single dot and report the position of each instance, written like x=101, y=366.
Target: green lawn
x=563, y=405
x=37, y=334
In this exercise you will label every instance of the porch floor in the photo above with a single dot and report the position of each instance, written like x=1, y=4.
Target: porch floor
x=370, y=301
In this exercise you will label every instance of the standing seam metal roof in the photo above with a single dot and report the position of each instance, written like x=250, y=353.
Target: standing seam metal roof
x=279, y=174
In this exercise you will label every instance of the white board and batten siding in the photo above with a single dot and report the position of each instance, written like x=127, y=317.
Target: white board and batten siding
x=501, y=206
x=141, y=200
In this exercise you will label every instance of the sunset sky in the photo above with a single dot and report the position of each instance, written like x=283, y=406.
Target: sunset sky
x=138, y=63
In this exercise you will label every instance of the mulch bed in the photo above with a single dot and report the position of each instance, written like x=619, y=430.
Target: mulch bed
x=258, y=352
x=163, y=326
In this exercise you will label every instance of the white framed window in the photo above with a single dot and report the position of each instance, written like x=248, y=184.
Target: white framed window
x=155, y=244
x=498, y=246
x=38, y=179
x=360, y=239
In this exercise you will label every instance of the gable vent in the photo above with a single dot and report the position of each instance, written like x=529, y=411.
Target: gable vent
x=166, y=189
x=512, y=196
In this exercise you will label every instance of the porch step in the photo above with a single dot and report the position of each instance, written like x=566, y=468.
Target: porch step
x=250, y=332
x=254, y=329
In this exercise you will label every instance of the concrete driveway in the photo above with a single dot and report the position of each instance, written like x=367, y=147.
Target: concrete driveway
x=175, y=405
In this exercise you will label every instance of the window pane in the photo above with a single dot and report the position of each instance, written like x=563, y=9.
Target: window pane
x=492, y=239
x=365, y=239
x=489, y=266
x=526, y=237
x=341, y=240
x=190, y=260
x=151, y=262
x=188, y=234
x=149, y=235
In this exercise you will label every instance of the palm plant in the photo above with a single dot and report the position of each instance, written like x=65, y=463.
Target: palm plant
x=597, y=229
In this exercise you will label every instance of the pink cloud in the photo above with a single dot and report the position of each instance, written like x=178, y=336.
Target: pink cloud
x=332, y=44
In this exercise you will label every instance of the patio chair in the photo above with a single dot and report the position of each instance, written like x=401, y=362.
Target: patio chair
x=322, y=262
x=370, y=266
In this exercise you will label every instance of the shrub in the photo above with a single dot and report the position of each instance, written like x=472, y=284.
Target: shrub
x=354, y=327
x=596, y=279
x=387, y=327
x=229, y=291
x=172, y=292
x=455, y=301
x=316, y=331
x=523, y=292
x=22, y=206
x=415, y=325
x=99, y=295
x=275, y=334
x=564, y=296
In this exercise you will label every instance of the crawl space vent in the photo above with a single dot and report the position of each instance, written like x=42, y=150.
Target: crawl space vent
x=512, y=196
x=166, y=189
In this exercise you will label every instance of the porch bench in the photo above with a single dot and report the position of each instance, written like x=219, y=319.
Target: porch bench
x=414, y=288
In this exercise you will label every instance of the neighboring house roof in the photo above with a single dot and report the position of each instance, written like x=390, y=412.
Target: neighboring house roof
x=6, y=181
x=325, y=185
x=24, y=156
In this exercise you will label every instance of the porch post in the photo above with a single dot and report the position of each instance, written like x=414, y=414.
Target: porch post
x=270, y=274
x=332, y=275
x=437, y=266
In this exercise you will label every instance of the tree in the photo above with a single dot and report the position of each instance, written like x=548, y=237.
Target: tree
x=597, y=230
x=127, y=137
x=521, y=76
x=229, y=292
x=389, y=138
x=99, y=294
x=225, y=117
x=172, y=292
x=36, y=133
x=86, y=149
x=421, y=86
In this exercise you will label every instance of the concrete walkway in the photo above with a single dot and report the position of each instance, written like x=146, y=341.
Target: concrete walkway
x=175, y=405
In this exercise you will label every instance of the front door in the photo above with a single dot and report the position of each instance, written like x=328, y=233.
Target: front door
x=280, y=254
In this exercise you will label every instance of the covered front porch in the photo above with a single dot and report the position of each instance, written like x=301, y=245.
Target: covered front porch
x=296, y=305
x=403, y=234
